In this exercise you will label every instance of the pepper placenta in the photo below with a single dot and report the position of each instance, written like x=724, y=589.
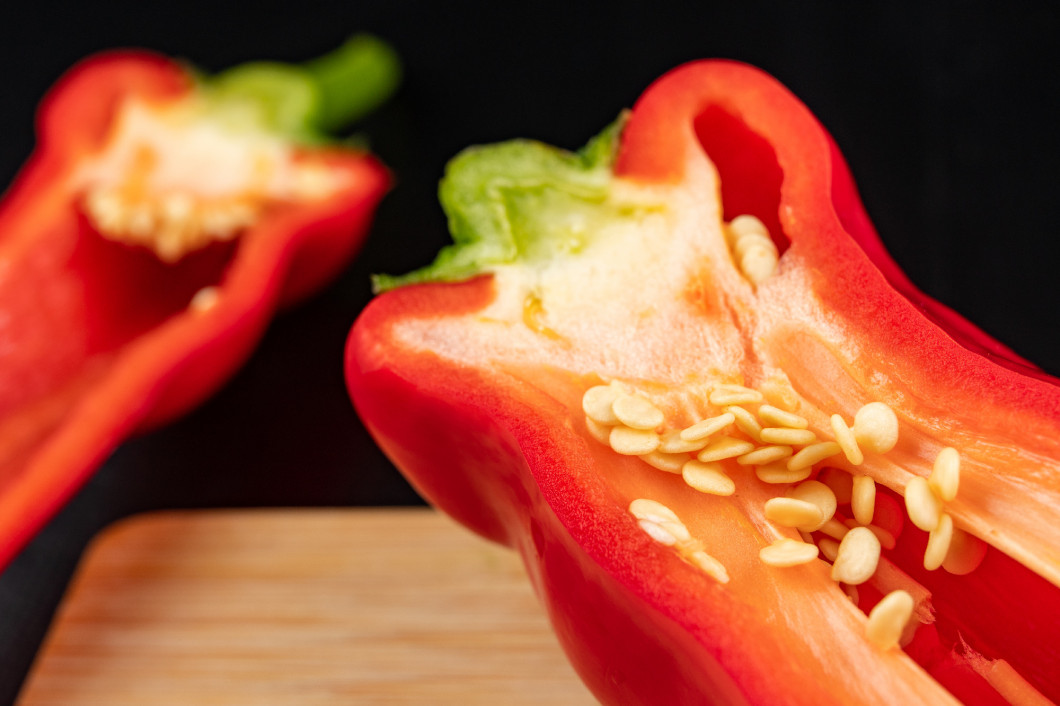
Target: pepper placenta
x=744, y=459
x=161, y=220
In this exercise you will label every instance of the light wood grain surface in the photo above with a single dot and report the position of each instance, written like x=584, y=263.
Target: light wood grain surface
x=396, y=606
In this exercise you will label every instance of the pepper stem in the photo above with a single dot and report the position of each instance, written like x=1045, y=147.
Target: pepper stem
x=309, y=101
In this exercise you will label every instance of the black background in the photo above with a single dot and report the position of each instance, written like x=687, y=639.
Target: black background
x=946, y=111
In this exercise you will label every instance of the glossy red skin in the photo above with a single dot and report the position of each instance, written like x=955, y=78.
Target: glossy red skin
x=101, y=330
x=502, y=459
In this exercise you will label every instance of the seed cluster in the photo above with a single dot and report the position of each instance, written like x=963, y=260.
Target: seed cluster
x=172, y=225
x=753, y=250
x=664, y=526
x=783, y=450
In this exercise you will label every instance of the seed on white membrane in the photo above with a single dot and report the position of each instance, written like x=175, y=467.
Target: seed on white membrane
x=829, y=548
x=597, y=401
x=725, y=394
x=888, y=618
x=672, y=443
x=834, y=529
x=724, y=447
x=812, y=454
x=709, y=565
x=764, y=455
x=788, y=552
x=780, y=418
x=946, y=475
x=923, y=506
x=707, y=478
x=791, y=512
x=600, y=432
x=647, y=509
x=746, y=421
x=633, y=442
x=787, y=437
x=707, y=427
x=848, y=443
x=863, y=499
x=670, y=463
x=939, y=541
x=636, y=412
x=876, y=427
x=859, y=554
x=819, y=495
x=777, y=473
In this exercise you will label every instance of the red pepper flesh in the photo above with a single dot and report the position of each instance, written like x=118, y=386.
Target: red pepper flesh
x=481, y=407
x=103, y=338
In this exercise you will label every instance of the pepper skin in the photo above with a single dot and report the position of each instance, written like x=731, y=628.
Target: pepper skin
x=619, y=272
x=161, y=221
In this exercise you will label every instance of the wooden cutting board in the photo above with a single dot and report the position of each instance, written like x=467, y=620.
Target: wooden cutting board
x=396, y=606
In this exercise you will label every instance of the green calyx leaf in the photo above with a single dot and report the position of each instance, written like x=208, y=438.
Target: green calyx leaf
x=309, y=101
x=519, y=201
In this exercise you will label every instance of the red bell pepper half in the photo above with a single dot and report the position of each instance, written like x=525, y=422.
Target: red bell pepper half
x=162, y=219
x=744, y=459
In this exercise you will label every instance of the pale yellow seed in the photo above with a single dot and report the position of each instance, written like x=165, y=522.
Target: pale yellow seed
x=670, y=463
x=834, y=529
x=725, y=447
x=707, y=478
x=600, y=432
x=779, y=393
x=946, y=475
x=938, y=545
x=818, y=494
x=848, y=443
x=888, y=618
x=653, y=510
x=710, y=566
x=746, y=224
x=759, y=263
x=707, y=427
x=876, y=427
x=923, y=506
x=597, y=401
x=633, y=442
x=764, y=455
x=812, y=454
x=724, y=395
x=966, y=553
x=863, y=499
x=636, y=412
x=788, y=552
x=859, y=554
x=672, y=443
x=829, y=548
x=746, y=422
x=205, y=299
x=790, y=512
x=777, y=473
x=659, y=532
x=779, y=418
x=789, y=437
x=749, y=240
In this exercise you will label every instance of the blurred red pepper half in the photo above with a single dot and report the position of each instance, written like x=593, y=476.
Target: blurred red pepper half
x=744, y=459
x=160, y=222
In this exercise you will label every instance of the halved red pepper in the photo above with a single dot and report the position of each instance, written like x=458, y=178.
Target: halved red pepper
x=162, y=219
x=588, y=373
